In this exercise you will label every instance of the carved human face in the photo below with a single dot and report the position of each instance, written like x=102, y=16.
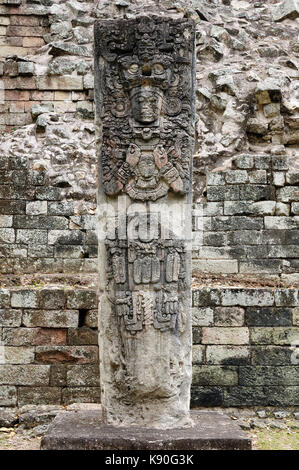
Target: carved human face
x=146, y=167
x=146, y=105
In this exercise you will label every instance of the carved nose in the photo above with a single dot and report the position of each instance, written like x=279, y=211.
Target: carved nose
x=146, y=71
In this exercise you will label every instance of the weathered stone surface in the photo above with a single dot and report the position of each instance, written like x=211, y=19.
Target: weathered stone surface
x=247, y=297
x=286, y=297
x=42, y=395
x=216, y=193
x=268, y=316
x=281, y=223
x=236, y=396
x=67, y=82
x=218, y=335
x=215, y=266
x=10, y=317
x=66, y=354
x=288, y=193
x=41, y=222
x=212, y=430
x=244, y=161
x=202, y=316
x=65, y=237
x=8, y=395
x=144, y=97
x=271, y=355
x=51, y=318
x=206, y=396
x=71, y=49
x=82, y=336
x=18, y=355
x=8, y=418
x=58, y=375
x=24, y=298
x=33, y=336
x=32, y=418
x=4, y=298
x=86, y=376
x=197, y=354
x=26, y=68
x=7, y=235
x=284, y=336
x=24, y=374
x=52, y=298
x=285, y=9
x=228, y=355
x=36, y=208
x=266, y=375
x=86, y=299
x=205, y=297
x=38, y=109
x=32, y=237
x=214, y=375
x=229, y=316
x=81, y=395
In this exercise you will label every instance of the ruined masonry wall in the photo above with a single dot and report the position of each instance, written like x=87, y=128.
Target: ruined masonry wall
x=39, y=72
x=40, y=231
x=249, y=223
x=247, y=226
x=245, y=198
x=51, y=346
x=244, y=350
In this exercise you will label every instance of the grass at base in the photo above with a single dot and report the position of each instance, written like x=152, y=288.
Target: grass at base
x=274, y=439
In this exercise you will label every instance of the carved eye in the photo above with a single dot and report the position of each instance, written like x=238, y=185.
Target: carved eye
x=133, y=68
x=158, y=69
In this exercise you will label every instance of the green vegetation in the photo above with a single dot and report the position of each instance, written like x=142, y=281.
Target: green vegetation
x=275, y=439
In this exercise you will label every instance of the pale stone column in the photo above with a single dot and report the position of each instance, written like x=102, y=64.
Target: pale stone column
x=144, y=90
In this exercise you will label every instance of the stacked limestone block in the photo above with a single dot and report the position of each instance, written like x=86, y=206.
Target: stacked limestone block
x=47, y=221
x=49, y=352
x=249, y=222
x=46, y=60
x=245, y=350
x=247, y=104
x=21, y=28
x=245, y=346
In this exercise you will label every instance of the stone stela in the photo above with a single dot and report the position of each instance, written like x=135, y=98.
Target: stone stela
x=144, y=83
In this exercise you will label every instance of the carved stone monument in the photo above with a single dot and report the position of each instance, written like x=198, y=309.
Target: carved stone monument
x=144, y=83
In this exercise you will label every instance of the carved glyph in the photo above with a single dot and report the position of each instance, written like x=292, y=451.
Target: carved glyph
x=147, y=108
x=148, y=279
x=144, y=87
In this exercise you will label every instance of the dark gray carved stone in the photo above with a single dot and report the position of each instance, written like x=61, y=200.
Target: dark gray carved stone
x=149, y=278
x=146, y=106
x=144, y=86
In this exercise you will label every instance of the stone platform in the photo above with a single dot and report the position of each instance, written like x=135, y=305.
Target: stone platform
x=83, y=430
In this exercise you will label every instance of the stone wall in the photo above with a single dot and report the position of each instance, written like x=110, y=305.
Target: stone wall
x=40, y=72
x=50, y=352
x=48, y=177
x=244, y=350
x=45, y=226
x=249, y=223
x=245, y=198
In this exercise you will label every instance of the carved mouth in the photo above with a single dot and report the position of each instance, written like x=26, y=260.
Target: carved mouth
x=148, y=116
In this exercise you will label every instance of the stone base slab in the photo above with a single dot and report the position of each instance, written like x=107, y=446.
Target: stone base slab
x=84, y=430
